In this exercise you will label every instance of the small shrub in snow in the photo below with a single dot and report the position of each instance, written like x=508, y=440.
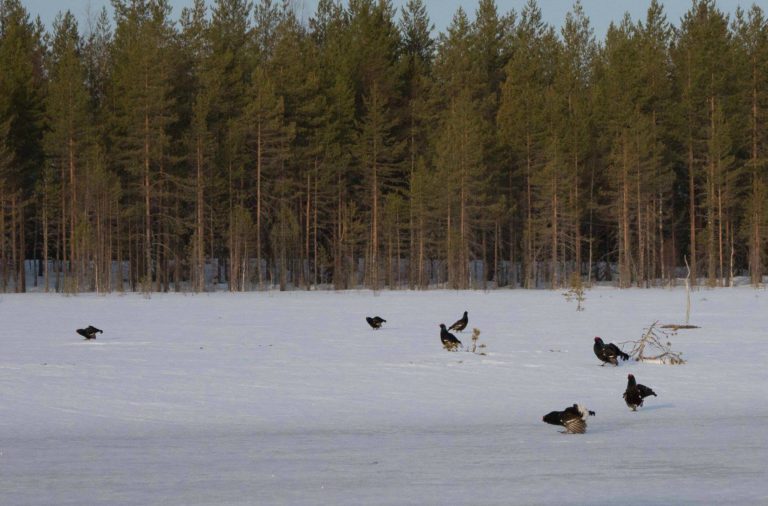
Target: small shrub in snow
x=475, y=345
x=146, y=287
x=576, y=291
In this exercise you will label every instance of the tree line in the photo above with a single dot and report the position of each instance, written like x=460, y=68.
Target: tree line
x=238, y=145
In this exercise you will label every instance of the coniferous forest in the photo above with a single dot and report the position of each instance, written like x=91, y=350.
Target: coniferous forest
x=234, y=145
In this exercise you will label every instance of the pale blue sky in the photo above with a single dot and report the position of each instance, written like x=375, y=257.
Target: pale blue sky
x=600, y=12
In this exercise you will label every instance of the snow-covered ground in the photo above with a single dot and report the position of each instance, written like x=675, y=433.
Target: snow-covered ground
x=290, y=398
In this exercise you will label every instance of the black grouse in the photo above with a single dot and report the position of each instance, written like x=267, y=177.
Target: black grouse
x=608, y=353
x=573, y=418
x=460, y=324
x=89, y=332
x=449, y=340
x=375, y=322
x=635, y=393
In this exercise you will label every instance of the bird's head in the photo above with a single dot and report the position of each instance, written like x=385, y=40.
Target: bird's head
x=442, y=326
x=465, y=314
x=631, y=379
x=598, y=340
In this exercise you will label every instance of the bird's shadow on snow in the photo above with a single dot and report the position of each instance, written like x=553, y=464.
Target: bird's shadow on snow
x=657, y=406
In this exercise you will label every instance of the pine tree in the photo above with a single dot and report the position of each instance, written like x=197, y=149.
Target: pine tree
x=377, y=154
x=521, y=121
x=492, y=48
x=378, y=151
x=418, y=54
x=620, y=78
x=102, y=204
x=335, y=178
x=464, y=175
x=573, y=83
x=196, y=48
x=703, y=61
x=67, y=138
x=297, y=75
x=21, y=129
x=229, y=68
x=269, y=140
x=752, y=39
x=656, y=107
x=460, y=144
x=142, y=111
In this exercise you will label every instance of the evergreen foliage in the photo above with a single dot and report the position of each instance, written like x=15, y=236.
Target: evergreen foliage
x=242, y=148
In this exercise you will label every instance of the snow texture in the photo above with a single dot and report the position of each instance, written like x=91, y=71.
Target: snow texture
x=292, y=399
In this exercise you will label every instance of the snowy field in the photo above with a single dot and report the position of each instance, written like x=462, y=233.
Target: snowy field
x=291, y=399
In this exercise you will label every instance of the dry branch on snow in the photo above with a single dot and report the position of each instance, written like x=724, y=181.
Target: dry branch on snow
x=654, y=347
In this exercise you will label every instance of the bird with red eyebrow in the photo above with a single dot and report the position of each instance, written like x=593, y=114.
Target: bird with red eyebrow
x=608, y=353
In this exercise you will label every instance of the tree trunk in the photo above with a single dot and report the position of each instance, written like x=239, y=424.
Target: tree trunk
x=314, y=235
x=147, y=210
x=530, y=260
x=625, y=276
x=198, y=263
x=692, y=212
x=307, y=225
x=554, y=280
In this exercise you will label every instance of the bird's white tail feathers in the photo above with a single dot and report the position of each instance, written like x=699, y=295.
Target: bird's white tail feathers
x=584, y=412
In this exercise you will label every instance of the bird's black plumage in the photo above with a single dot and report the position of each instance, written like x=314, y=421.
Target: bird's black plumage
x=608, y=353
x=573, y=418
x=375, y=322
x=461, y=324
x=450, y=342
x=635, y=393
x=89, y=332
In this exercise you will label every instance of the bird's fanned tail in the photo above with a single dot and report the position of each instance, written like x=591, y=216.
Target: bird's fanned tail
x=575, y=426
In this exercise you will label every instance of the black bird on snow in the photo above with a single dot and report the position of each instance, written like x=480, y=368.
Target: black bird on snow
x=573, y=418
x=608, y=353
x=450, y=342
x=635, y=393
x=375, y=322
x=460, y=324
x=89, y=332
